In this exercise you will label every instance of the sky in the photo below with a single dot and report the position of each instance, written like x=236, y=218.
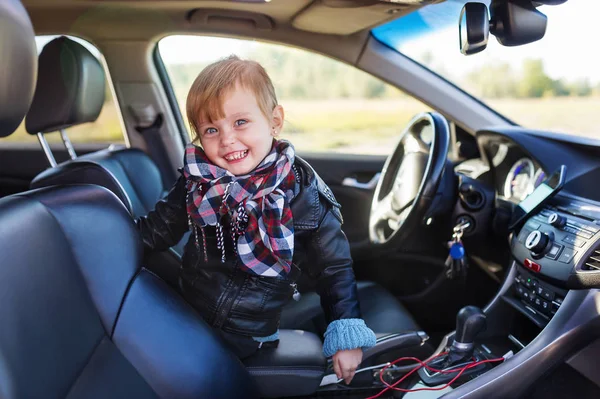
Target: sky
x=569, y=48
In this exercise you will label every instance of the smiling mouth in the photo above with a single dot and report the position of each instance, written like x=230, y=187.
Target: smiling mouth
x=236, y=156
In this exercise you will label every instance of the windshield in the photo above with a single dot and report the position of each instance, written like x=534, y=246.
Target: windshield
x=551, y=84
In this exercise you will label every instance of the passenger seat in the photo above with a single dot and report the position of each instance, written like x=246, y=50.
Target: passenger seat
x=70, y=92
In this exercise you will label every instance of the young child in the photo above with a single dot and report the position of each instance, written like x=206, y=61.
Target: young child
x=259, y=217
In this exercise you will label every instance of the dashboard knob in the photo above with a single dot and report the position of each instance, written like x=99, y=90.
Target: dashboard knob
x=537, y=241
x=556, y=220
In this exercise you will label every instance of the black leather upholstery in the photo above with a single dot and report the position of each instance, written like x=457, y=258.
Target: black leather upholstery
x=70, y=92
x=70, y=88
x=81, y=319
x=129, y=173
x=18, y=65
x=79, y=172
x=296, y=366
x=382, y=312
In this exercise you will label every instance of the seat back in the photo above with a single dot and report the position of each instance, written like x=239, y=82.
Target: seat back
x=129, y=173
x=70, y=92
x=81, y=318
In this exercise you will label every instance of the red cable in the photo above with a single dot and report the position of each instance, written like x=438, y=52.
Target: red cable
x=421, y=364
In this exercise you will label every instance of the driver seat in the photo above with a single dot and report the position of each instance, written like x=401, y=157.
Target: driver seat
x=135, y=179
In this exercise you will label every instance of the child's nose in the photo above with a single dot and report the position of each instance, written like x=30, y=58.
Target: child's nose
x=227, y=137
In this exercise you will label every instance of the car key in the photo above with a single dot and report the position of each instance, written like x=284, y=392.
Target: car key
x=456, y=263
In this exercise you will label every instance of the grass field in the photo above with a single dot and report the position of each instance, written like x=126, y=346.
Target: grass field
x=371, y=126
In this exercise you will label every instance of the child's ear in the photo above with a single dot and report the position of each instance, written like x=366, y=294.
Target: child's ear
x=277, y=121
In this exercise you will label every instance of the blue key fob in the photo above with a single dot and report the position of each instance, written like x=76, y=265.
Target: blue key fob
x=457, y=251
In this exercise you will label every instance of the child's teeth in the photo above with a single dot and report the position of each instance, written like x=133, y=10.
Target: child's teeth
x=237, y=155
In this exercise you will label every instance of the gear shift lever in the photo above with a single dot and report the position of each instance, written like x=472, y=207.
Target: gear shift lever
x=470, y=321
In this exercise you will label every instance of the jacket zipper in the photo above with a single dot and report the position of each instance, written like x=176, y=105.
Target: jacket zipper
x=226, y=305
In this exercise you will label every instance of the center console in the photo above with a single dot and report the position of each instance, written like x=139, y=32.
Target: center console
x=546, y=308
x=557, y=244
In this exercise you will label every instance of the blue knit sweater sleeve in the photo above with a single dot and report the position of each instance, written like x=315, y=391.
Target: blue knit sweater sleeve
x=347, y=334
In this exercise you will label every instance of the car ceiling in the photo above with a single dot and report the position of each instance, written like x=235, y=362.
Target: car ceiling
x=278, y=20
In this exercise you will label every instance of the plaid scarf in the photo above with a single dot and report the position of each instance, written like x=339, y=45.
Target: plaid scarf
x=257, y=205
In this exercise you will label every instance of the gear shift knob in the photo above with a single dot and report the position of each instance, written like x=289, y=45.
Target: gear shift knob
x=470, y=321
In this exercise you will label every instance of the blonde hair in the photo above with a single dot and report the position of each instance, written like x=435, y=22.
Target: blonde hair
x=206, y=96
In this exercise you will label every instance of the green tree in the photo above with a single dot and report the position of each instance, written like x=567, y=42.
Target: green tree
x=535, y=82
x=581, y=88
x=495, y=80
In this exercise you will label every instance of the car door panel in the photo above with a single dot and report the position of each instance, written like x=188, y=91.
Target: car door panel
x=355, y=200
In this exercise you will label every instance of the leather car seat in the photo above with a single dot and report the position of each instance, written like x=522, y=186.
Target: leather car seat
x=80, y=318
x=70, y=92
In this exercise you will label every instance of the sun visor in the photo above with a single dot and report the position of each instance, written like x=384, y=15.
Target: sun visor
x=345, y=17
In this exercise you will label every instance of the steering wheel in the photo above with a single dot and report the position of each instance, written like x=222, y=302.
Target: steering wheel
x=410, y=179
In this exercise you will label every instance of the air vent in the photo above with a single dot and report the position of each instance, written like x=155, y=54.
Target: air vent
x=592, y=263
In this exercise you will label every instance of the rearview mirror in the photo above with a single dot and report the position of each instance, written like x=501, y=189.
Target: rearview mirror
x=513, y=22
x=516, y=22
x=473, y=28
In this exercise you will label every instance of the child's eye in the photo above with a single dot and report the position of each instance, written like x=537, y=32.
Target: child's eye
x=240, y=122
x=210, y=130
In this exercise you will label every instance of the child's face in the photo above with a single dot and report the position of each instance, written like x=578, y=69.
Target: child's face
x=243, y=138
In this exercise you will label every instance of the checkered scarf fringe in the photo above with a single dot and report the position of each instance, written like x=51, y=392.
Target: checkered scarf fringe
x=257, y=204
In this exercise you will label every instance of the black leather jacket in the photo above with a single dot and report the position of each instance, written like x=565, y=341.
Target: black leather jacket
x=241, y=302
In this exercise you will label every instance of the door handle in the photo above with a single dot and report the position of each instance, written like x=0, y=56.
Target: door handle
x=370, y=185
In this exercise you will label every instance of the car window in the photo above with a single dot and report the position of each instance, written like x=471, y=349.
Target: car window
x=551, y=84
x=106, y=129
x=329, y=106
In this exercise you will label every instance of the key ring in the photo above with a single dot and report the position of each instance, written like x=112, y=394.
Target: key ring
x=461, y=227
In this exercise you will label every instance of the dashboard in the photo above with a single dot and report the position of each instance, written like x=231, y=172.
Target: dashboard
x=554, y=254
x=556, y=242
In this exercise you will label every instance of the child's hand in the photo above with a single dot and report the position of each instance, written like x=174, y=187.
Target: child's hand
x=346, y=362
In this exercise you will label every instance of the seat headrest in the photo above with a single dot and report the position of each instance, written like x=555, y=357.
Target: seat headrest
x=70, y=88
x=18, y=65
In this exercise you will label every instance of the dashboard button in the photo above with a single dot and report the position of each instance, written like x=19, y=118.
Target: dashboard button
x=583, y=226
x=549, y=295
x=531, y=265
x=584, y=234
x=545, y=306
x=567, y=255
x=573, y=240
x=520, y=291
x=554, y=251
